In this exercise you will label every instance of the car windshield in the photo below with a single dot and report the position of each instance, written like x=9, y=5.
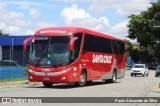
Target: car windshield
x=50, y=51
x=138, y=66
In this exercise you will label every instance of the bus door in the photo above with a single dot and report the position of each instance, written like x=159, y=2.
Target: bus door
x=115, y=52
x=89, y=53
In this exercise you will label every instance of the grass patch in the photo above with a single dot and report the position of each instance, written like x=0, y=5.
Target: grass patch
x=12, y=80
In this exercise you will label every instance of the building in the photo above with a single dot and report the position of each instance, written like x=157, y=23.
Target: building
x=11, y=48
x=136, y=46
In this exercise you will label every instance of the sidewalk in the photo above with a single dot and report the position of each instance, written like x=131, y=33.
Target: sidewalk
x=18, y=83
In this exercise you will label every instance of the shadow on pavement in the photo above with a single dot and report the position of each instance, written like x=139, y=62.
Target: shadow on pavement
x=72, y=85
x=139, y=76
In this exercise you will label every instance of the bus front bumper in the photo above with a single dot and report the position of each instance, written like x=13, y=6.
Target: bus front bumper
x=63, y=76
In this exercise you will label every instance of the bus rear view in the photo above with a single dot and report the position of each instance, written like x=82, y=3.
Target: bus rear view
x=57, y=55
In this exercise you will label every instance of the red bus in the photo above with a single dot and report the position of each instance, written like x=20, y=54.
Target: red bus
x=77, y=55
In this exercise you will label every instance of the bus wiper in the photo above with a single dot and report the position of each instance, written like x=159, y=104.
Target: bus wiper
x=51, y=55
x=40, y=60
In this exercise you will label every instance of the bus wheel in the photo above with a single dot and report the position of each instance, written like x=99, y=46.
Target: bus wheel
x=82, y=81
x=47, y=84
x=114, y=77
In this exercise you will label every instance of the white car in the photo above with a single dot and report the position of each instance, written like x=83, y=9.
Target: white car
x=139, y=69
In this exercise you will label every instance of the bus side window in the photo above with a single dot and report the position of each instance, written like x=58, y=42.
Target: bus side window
x=104, y=45
x=118, y=47
x=97, y=44
x=115, y=47
x=121, y=46
x=77, y=45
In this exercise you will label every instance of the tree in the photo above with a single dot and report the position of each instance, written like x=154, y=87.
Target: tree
x=128, y=46
x=140, y=29
x=135, y=55
x=3, y=34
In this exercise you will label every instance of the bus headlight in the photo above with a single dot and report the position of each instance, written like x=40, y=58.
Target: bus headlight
x=30, y=70
x=66, y=70
x=31, y=77
x=63, y=78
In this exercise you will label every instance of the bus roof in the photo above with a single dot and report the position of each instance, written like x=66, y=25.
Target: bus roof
x=60, y=31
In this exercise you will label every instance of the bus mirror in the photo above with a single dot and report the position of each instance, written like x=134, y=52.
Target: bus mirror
x=25, y=43
x=71, y=43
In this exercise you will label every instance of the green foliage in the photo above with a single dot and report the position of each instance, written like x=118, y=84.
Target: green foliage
x=140, y=29
x=135, y=55
x=26, y=70
x=12, y=80
x=3, y=34
x=128, y=47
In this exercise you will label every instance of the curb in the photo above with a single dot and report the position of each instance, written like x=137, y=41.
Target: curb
x=18, y=83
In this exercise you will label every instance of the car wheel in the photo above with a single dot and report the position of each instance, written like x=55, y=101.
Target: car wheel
x=147, y=74
x=144, y=74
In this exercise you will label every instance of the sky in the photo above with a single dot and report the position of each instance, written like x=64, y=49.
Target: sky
x=24, y=17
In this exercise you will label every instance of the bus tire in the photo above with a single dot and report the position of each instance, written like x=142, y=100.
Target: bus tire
x=47, y=84
x=114, y=77
x=83, y=80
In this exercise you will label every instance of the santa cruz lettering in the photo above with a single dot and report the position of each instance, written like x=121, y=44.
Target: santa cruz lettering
x=101, y=59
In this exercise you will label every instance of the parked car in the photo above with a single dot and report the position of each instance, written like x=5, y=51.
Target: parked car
x=9, y=63
x=139, y=69
x=157, y=72
x=152, y=67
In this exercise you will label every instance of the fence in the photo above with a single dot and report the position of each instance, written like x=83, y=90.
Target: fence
x=12, y=73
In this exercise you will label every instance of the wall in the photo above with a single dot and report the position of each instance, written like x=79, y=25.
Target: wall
x=12, y=73
x=18, y=54
x=0, y=53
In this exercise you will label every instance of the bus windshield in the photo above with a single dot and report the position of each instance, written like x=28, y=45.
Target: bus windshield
x=50, y=51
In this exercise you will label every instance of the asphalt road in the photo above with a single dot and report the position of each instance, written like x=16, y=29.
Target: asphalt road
x=127, y=87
